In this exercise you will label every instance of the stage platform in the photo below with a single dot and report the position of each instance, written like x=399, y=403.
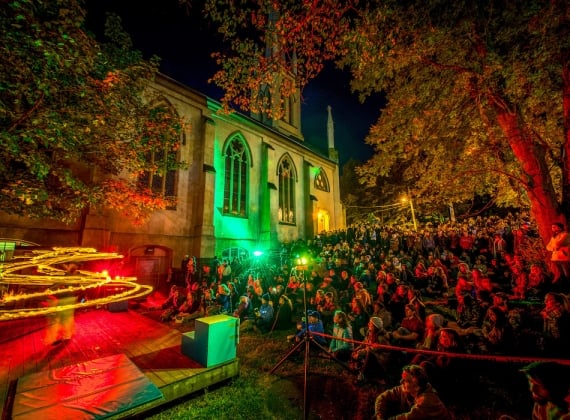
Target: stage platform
x=148, y=350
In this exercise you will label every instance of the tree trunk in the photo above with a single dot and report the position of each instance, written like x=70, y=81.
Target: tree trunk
x=544, y=205
x=566, y=147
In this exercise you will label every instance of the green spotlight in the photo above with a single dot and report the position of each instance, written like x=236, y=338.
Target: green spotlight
x=302, y=263
x=257, y=253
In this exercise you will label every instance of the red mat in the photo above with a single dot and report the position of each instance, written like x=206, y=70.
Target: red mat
x=96, y=389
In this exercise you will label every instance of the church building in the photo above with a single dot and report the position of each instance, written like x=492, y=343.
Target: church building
x=251, y=185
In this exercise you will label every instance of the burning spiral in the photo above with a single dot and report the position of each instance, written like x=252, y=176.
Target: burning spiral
x=60, y=281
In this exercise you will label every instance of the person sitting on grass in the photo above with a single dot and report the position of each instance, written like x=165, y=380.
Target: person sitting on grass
x=223, y=298
x=263, y=315
x=414, y=398
x=284, y=313
x=341, y=345
x=358, y=318
x=411, y=330
x=327, y=309
x=368, y=359
x=314, y=325
x=244, y=310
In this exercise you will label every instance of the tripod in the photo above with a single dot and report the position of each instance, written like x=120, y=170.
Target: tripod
x=307, y=339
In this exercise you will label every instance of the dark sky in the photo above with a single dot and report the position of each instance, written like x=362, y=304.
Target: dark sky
x=184, y=43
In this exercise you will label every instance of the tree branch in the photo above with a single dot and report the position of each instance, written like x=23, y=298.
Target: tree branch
x=27, y=114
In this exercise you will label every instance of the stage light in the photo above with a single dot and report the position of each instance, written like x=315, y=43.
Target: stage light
x=302, y=263
x=257, y=253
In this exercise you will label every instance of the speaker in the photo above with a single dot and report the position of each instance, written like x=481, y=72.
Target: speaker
x=214, y=340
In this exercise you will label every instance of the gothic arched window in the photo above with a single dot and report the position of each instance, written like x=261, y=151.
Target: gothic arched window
x=321, y=181
x=163, y=180
x=287, y=180
x=236, y=177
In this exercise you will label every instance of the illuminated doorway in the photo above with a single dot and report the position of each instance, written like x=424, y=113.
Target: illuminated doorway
x=323, y=221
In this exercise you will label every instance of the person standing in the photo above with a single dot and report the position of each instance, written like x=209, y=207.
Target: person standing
x=559, y=245
x=61, y=322
x=184, y=264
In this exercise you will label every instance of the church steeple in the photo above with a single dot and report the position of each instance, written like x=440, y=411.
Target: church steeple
x=330, y=128
x=333, y=153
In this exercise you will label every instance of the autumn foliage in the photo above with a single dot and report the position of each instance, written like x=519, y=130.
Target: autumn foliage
x=75, y=125
x=478, y=93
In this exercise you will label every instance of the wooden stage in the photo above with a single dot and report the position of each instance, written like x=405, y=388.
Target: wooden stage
x=153, y=347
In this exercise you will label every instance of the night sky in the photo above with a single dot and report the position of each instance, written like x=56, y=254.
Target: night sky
x=184, y=43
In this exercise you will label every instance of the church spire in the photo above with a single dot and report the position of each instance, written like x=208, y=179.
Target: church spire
x=330, y=128
x=333, y=153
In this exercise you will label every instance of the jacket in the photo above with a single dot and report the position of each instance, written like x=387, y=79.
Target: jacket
x=395, y=404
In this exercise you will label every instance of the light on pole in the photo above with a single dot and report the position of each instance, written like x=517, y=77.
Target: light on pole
x=409, y=198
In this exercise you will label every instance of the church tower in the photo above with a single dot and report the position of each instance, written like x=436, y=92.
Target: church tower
x=286, y=107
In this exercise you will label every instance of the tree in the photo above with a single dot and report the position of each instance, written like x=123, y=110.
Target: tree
x=478, y=92
x=77, y=123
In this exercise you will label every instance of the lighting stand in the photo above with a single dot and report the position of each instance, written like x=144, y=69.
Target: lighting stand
x=306, y=341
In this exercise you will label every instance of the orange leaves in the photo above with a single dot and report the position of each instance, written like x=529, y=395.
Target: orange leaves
x=287, y=37
x=111, y=79
x=135, y=203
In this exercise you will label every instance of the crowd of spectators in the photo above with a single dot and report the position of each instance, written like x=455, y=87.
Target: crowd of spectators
x=480, y=286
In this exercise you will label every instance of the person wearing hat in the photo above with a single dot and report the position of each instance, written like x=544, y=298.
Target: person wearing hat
x=264, y=315
x=313, y=325
x=368, y=359
x=559, y=245
x=548, y=384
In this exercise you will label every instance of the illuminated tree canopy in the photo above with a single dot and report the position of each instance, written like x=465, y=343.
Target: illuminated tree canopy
x=75, y=124
x=478, y=92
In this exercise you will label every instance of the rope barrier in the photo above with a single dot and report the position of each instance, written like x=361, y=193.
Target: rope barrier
x=468, y=356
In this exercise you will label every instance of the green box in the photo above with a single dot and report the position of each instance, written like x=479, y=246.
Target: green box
x=214, y=340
